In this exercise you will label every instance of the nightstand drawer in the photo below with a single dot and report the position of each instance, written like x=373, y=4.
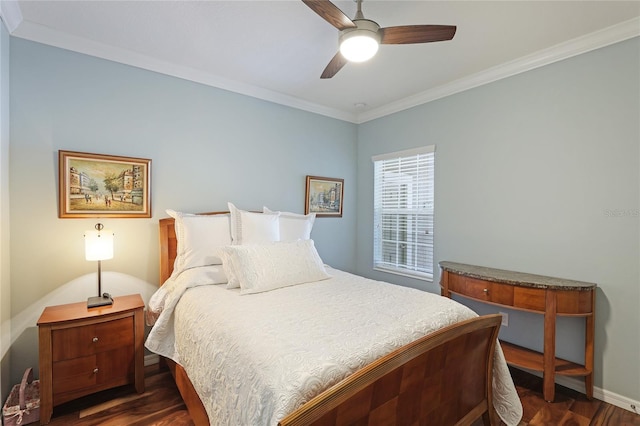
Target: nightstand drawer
x=70, y=343
x=88, y=371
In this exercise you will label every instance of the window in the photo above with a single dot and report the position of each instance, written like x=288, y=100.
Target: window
x=403, y=212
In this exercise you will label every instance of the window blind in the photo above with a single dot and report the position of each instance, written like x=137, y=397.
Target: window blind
x=403, y=212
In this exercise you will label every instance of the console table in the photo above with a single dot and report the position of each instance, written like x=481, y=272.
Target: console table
x=533, y=293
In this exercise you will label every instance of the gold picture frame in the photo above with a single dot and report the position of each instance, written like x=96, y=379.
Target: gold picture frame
x=324, y=196
x=97, y=185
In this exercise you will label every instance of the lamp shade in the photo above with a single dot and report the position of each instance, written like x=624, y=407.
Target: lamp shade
x=98, y=245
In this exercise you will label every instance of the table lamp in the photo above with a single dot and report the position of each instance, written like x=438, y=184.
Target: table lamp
x=98, y=246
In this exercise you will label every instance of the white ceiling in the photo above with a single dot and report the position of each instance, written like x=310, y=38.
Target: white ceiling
x=276, y=50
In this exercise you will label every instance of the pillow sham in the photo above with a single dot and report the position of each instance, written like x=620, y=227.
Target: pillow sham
x=267, y=267
x=199, y=239
x=253, y=228
x=294, y=226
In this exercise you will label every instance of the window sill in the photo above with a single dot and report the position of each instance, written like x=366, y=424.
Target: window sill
x=416, y=276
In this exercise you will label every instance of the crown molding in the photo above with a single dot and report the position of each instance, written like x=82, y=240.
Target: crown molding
x=602, y=38
x=11, y=14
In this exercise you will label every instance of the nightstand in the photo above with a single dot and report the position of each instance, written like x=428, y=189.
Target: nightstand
x=83, y=350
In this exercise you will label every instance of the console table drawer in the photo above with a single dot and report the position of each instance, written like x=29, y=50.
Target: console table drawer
x=485, y=291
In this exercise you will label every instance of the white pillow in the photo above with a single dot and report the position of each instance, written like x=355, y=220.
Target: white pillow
x=253, y=228
x=270, y=266
x=229, y=269
x=199, y=239
x=294, y=226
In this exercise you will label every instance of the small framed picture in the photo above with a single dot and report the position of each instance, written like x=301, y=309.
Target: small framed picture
x=96, y=185
x=323, y=196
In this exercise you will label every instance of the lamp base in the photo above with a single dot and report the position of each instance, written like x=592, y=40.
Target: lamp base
x=95, y=301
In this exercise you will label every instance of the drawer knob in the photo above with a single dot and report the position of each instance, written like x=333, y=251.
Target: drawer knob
x=95, y=370
x=95, y=339
x=486, y=291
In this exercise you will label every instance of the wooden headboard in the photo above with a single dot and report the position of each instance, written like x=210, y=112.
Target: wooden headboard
x=169, y=246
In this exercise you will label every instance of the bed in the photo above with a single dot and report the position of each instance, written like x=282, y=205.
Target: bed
x=309, y=353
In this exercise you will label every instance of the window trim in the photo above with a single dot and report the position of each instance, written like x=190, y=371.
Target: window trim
x=405, y=153
x=419, y=275
x=414, y=274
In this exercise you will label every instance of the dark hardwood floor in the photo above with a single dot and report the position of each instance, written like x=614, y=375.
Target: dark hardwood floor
x=161, y=405
x=569, y=408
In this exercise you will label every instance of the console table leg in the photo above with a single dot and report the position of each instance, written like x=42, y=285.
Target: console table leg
x=589, y=353
x=549, y=364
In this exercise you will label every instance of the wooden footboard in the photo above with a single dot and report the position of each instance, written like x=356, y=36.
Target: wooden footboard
x=443, y=379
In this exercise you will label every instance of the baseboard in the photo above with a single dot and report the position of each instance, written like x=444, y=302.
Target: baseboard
x=601, y=394
x=151, y=359
x=598, y=393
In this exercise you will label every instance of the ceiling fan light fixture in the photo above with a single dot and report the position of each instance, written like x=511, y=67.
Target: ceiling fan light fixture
x=359, y=48
x=360, y=44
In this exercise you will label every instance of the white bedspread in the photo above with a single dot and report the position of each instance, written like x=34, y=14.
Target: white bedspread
x=255, y=358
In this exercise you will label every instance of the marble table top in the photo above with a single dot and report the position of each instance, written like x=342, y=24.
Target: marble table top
x=515, y=278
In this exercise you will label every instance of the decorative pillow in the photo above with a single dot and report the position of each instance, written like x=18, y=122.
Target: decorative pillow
x=253, y=228
x=229, y=269
x=294, y=226
x=270, y=266
x=199, y=239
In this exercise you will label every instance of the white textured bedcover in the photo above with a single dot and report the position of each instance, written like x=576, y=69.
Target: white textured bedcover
x=255, y=358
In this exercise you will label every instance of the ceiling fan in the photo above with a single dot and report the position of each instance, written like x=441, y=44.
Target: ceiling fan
x=359, y=38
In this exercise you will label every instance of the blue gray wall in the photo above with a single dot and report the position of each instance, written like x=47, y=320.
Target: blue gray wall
x=537, y=173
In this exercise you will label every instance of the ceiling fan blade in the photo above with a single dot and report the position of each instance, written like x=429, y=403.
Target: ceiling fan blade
x=334, y=66
x=409, y=34
x=330, y=13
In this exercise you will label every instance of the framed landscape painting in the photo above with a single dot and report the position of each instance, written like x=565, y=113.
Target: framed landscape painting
x=323, y=196
x=96, y=185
